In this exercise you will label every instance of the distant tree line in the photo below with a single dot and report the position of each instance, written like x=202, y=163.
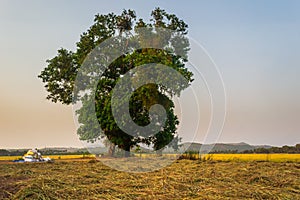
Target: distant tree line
x=283, y=149
x=4, y=152
x=63, y=152
x=262, y=150
x=224, y=151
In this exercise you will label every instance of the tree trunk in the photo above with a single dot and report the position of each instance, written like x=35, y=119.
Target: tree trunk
x=159, y=152
x=127, y=151
x=111, y=150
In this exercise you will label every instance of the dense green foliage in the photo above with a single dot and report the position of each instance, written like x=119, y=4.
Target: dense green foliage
x=60, y=75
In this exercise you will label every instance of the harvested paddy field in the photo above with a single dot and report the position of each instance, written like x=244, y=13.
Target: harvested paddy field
x=184, y=179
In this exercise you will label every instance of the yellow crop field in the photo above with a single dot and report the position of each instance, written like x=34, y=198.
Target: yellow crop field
x=257, y=157
x=63, y=157
x=216, y=157
x=4, y=158
x=247, y=157
x=56, y=157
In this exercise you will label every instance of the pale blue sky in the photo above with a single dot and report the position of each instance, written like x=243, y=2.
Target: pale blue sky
x=255, y=44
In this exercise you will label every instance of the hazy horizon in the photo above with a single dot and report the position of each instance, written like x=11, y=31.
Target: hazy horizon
x=256, y=46
x=84, y=146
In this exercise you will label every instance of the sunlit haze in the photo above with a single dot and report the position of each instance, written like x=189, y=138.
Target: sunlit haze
x=254, y=44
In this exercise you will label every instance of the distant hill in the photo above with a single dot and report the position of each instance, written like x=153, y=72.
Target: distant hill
x=221, y=147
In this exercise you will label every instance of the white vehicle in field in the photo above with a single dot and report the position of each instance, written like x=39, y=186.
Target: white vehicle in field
x=35, y=156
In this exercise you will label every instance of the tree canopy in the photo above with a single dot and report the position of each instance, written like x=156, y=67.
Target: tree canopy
x=60, y=75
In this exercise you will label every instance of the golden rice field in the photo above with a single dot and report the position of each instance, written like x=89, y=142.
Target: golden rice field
x=215, y=157
x=249, y=157
x=55, y=157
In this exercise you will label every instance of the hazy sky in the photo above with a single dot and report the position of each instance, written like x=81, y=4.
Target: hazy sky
x=255, y=44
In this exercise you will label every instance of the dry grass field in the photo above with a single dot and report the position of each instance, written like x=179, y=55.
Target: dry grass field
x=184, y=179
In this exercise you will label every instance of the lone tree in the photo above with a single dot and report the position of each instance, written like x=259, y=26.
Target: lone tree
x=60, y=74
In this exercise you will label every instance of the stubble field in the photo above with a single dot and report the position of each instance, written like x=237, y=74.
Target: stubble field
x=184, y=179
